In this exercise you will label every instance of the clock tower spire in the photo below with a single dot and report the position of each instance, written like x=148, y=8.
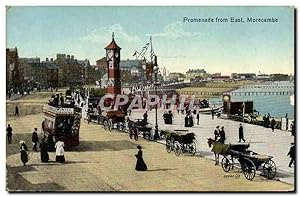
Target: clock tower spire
x=113, y=67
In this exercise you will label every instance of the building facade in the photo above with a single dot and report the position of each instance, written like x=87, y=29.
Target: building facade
x=13, y=72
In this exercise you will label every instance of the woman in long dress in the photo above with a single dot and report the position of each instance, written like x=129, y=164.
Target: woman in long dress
x=44, y=151
x=140, y=164
x=24, y=152
x=59, y=146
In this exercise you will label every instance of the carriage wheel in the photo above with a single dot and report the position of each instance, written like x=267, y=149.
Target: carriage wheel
x=169, y=146
x=178, y=149
x=269, y=169
x=106, y=125
x=193, y=148
x=226, y=164
x=248, y=168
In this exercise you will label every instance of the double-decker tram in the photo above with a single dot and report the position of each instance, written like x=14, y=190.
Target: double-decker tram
x=61, y=122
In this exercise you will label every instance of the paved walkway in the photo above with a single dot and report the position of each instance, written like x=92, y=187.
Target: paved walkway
x=105, y=161
x=262, y=140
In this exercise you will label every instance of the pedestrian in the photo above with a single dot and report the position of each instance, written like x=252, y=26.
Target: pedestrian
x=293, y=129
x=170, y=117
x=265, y=120
x=35, y=139
x=241, y=133
x=273, y=122
x=59, y=145
x=186, y=121
x=165, y=117
x=198, y=117
x=145, y=117
x=212, y=113
x=216, y=133
x=222, y=135
x=9, y=133
x=17, y=111
x=291, y=153
x=24, y=152
x=140, y=164
x=191, y=121
x=61, y=99
x=44, y=151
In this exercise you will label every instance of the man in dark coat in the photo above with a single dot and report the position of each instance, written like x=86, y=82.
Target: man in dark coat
x=140, y=164
x=35, y=139
x=265, y=120
x=293, y=129
x=191, y=121
x=273, y=122
x=9, y=134
x=241, y=133
x=291, y=153
x=216, y=133
x=165, y=117
x=170, y=117
x=222, y=135
x=186, y=121
x=212, y=113
x=198, y=118
x=17, y=113
x=145, y=116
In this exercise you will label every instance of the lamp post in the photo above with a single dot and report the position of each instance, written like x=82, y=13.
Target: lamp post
x=156, y=135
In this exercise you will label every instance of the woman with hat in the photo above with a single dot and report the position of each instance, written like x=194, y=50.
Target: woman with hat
x=24, y=152
x=59, y=145
x=140, y=164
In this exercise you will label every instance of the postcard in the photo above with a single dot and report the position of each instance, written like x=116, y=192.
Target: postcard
x=150, y=99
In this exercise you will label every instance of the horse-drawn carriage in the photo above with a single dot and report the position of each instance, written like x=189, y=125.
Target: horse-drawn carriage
x=180, y=141
x=140, y=126
x=249, y=161
x=113, y=119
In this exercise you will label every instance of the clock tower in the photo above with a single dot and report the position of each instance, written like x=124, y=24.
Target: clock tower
x=113, y=67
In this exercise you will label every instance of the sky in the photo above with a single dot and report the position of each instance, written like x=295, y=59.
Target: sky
x=217, y=47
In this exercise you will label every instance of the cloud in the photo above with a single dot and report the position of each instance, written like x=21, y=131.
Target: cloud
x=103, y=34
x=174, y=31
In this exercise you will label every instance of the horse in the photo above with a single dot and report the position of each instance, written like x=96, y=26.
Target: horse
x=211, y=142
x=225, y=149
x=218, y=148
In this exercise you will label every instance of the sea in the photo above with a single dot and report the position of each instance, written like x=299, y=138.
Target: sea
x=267, y=97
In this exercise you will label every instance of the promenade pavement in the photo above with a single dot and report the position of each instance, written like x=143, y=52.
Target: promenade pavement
x=262, y=140
x=105, y=161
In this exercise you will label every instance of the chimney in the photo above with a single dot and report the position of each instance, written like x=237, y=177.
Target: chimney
x=47, y=59
x=51, y=59
x=68, y=56
x=72, y=57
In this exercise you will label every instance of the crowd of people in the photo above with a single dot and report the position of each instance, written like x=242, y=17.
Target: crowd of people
x=43, y=146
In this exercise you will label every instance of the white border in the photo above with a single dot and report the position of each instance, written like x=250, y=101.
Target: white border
x=3, y=3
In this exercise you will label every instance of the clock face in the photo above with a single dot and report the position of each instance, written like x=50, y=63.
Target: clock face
x=110, y=54
x=226, y=98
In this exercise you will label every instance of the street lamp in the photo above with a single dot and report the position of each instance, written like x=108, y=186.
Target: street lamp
x=156, y=135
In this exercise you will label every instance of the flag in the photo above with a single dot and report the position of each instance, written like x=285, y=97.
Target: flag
x=134, y=53
x=147, y=43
